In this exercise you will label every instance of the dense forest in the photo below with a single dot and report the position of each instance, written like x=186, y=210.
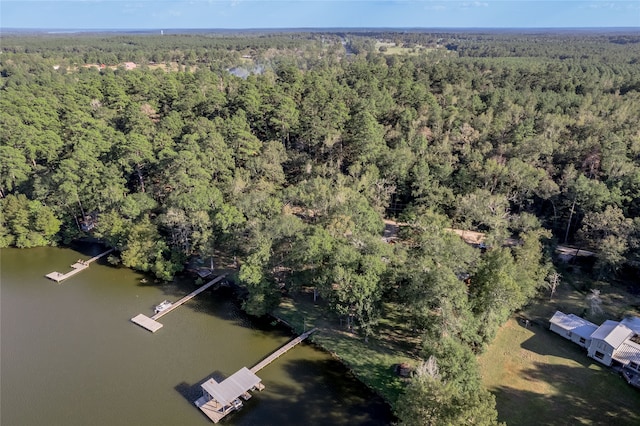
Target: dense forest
x=533, y=140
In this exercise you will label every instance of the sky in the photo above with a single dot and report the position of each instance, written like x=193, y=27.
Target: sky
x=243, y=14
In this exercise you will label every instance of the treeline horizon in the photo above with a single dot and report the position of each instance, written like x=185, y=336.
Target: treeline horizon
x=294, y=169
x=368, y=31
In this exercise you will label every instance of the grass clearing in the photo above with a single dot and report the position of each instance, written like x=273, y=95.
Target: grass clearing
x=390, y=48
x=540, y=378
x=370, y=360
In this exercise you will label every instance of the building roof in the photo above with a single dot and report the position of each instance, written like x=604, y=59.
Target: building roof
x=632, y=322
x=612, y=332
x=232, y=387
x=628, y=352
x=574, y=323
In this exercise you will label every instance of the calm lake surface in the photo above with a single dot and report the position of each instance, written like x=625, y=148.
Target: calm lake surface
x=70, y=356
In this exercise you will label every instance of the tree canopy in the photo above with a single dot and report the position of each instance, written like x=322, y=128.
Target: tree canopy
x=529, y=139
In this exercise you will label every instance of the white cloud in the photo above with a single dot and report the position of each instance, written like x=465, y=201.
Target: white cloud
x=447, y=5
x=470, y=4
x=438, y=5
x=130, y=8
x=601, y=5
x=612, y=5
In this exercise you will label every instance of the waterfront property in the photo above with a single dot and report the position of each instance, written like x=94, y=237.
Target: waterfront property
x=78, y=266
x=58, y=336
x=152, y=323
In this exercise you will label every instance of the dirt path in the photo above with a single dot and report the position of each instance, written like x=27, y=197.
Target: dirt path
x=473, y=237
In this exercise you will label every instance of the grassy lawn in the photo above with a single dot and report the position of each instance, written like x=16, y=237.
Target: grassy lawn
x=540, y=378
x=393, y=49
x=371, y=360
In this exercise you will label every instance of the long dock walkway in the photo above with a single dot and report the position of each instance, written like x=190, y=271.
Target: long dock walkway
x=284, y=349
x=80, y=265
x=152, y=323
x=188, y=297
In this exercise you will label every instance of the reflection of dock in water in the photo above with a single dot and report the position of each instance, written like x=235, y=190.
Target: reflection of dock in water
x=80, y=265
x=152, y=323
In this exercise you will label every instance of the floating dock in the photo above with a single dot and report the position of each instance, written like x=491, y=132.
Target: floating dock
x=152, y=323
x=80, y=265
x=146, y=322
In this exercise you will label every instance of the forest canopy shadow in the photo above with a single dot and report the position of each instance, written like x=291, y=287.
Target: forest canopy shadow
x=547, y=343
x=575, y=398
x=361, y=405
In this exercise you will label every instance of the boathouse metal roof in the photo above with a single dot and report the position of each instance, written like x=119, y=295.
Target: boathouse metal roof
x=232, y=387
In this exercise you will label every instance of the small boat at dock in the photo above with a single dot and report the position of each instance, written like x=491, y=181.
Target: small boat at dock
x=163, y=306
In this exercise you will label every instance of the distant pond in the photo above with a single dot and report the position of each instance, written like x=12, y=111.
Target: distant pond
x=243, y=72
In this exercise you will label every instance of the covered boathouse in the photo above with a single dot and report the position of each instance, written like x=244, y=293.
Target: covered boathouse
x=220, y=399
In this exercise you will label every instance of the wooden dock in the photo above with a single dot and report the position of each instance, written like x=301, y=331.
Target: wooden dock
x=80, y=265
x=212, y=409
x=284, y=349
x=146, y=322
x=188, y=297
x=152, y=323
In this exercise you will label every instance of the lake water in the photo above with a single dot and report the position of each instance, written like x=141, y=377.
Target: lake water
x=69, y=354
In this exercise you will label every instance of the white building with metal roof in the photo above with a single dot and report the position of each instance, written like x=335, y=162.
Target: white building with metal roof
x=613, y=341
x=606, y=340
x=572, y=327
